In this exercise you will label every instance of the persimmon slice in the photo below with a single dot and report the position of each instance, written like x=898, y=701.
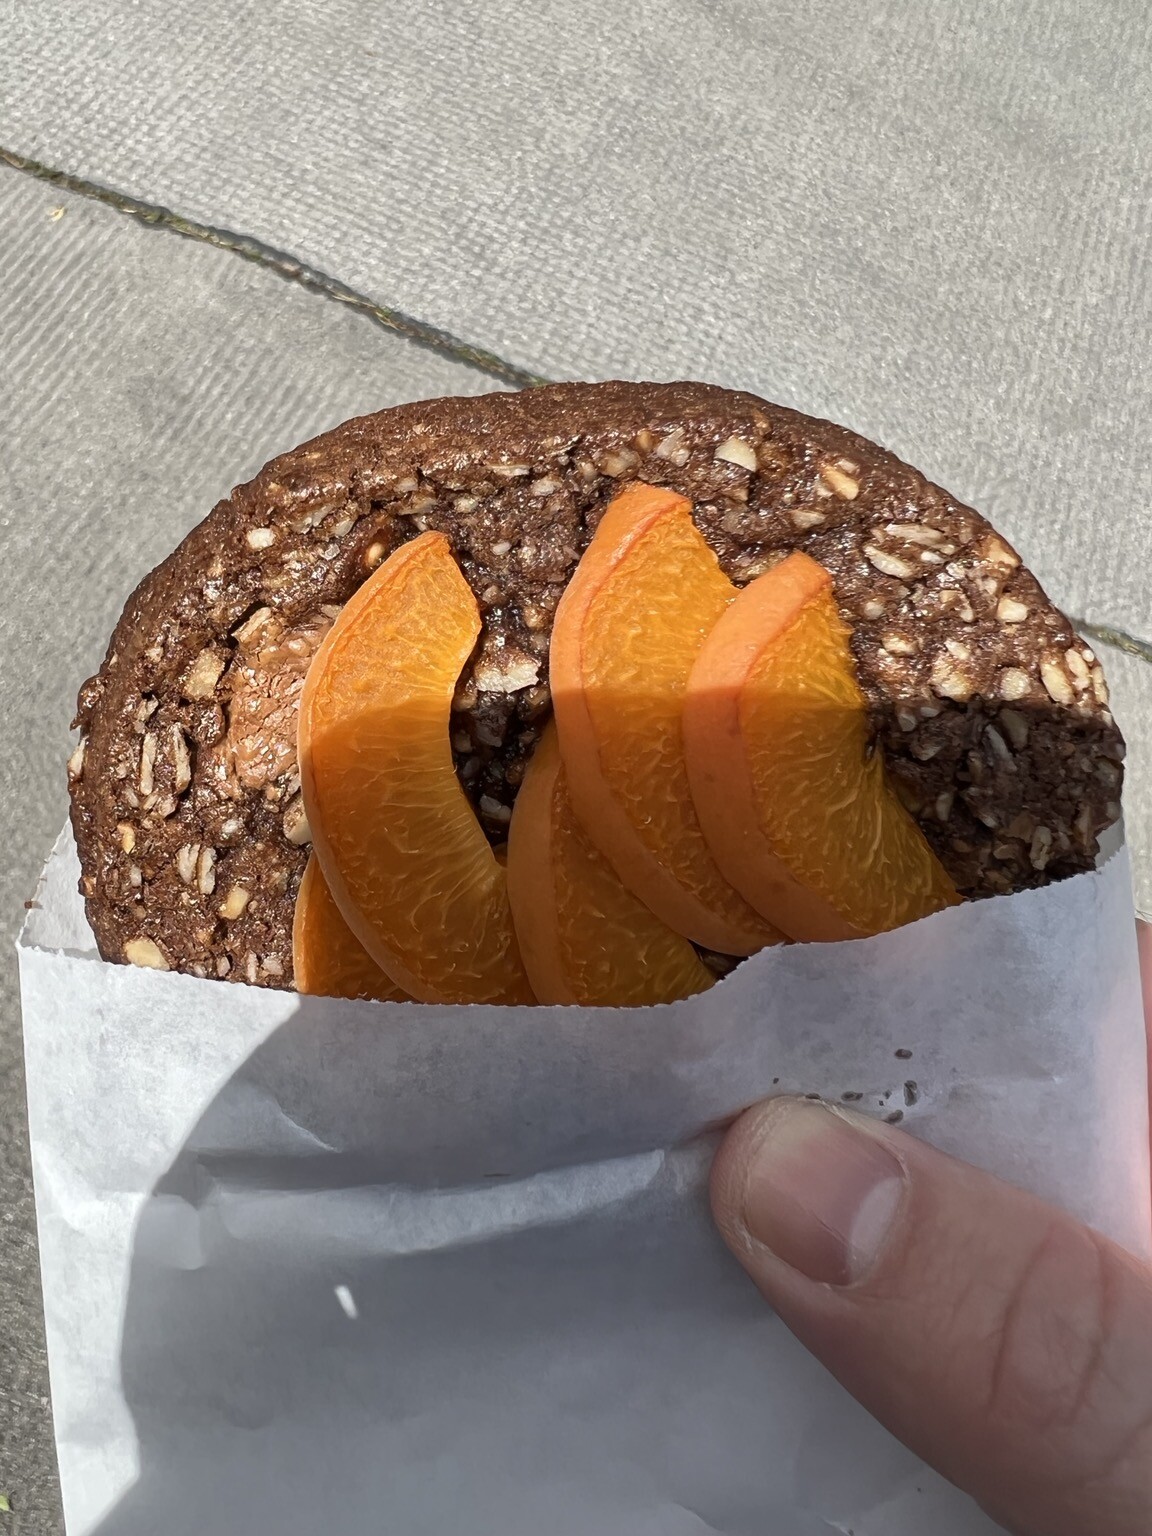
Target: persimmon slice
x=628, y=628
x=328, y=960
x=399, y=845
x=583, y=936
x=794, y=802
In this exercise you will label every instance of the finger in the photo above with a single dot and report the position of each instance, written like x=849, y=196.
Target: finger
x=1006, y=1344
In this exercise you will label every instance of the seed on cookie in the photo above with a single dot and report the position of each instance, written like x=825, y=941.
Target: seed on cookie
x=842, y=484
x=206, y=871
x=1015, y=683
x=235, y=903
x=203, y=675
x=1009, y=610
x=147, y=953
x=734, y=450
x=1056, y=681
x=296, y=828
x=887, y=563
x=76, y=761
x=807, y=517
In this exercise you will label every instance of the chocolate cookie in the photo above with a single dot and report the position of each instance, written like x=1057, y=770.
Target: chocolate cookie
x=991, y=714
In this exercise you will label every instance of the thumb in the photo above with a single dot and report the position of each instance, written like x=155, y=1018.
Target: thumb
x=1007, y=1345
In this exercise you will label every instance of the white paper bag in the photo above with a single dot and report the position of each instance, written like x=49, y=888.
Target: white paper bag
x=317, y=1266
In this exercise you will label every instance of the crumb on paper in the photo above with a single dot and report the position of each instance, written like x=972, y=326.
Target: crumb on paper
x=56, y=214
x=911, y=1092
x=5, y=1506
x=347, y=1302
x=894, y=1118
x=851, y=1097
x=903, y=1054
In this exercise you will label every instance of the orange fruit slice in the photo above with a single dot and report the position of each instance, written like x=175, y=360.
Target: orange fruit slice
x=327, y=958
x=794, y=802
x=628, y=628
x=399, y=845
x=583, y=936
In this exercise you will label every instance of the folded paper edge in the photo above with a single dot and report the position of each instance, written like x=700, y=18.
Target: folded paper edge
x=1113, y=847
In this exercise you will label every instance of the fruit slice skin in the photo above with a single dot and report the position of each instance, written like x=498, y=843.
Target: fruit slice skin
x=328, y=960
x=399, y=845
x=628, y=627
x=797, y=810
x=583, y=936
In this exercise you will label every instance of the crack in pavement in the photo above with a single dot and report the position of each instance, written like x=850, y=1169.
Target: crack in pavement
x=293, y=270
x=285, y=265
x=1118, y=639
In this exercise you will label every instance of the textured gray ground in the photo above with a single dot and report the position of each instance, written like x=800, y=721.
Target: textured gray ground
x=142, y=377
x=930, y=221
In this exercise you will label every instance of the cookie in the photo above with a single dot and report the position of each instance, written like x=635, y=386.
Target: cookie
x=991, y=714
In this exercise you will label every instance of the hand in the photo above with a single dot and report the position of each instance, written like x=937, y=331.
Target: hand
x=1002, y=1341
